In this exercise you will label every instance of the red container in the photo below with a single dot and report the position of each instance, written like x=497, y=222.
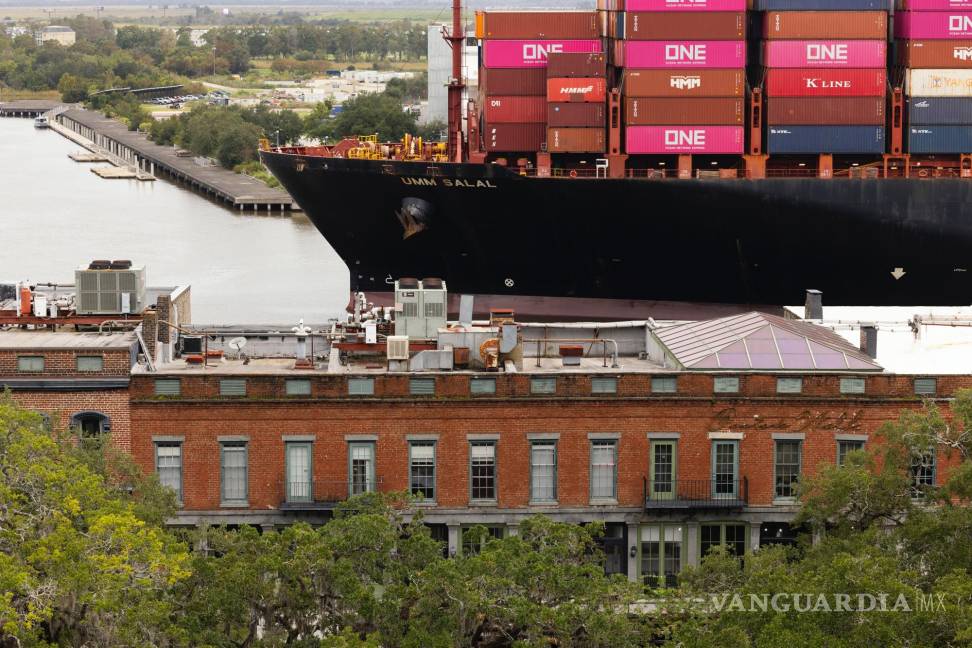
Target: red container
x=703, y=25
x=540, y=24
x=575, y=115
x=825, y=111
x=514, y=138
x=826, y=83
x=515, y=110
x=807, y=25
x=565, y=65
x=683, y=112
x=575, y=140
x=955, y=54
x=593, y=89
x=690, y=83
x=513, y=81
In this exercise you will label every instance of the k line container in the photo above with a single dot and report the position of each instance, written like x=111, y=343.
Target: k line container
x=825, y=54
x=709, y=25
x=933, y=24
x=531, y=53
x=825, y=139
x=684, y=54
x=655, y=111
x=837, y=111
x=940, y=111
x=940, y=139
x=692, y=83
x=826, y=83
x=576, y=140
x=934, y=53
x=576, y=65
x=802, y=25
x=576, y=115
x=512, y=138
x=692, y=6
x=933, y=5
x=590, y=89
x=539, y=24
x=513, y=81
x=661, y=140
x=515, y=110
x=938, y=83
x=823, y=5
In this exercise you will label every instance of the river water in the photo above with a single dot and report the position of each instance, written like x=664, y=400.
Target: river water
x=56, y=215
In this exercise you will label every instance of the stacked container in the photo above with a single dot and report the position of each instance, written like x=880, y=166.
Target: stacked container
x=576, y=97
x=684, y=81
x=825, y=75
x=513, y=79
x=934, y=44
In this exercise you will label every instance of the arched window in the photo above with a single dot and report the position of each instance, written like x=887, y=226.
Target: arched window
x=93, y=427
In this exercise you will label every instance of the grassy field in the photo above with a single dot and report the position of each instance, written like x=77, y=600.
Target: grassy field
x=132, y=13
x=6, y=94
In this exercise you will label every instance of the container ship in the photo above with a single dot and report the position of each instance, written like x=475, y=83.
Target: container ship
x=697, y=150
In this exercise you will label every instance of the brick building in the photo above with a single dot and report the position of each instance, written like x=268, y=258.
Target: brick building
x=678, y=436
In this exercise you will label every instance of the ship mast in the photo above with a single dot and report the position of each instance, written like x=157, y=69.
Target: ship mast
x=456, y=39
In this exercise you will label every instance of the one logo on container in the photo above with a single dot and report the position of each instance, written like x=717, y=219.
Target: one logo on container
x=684, y=82
x=538, y=52
x=827, y=52
x=695, y=53
x=683, y=137
x=960, y=24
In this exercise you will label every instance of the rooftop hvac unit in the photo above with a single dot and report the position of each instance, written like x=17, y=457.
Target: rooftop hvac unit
x=397, y=347
x=106, y=291
x=421, y=307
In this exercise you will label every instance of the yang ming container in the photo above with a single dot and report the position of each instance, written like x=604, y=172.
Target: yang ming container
x=939, y=139
x=934, y=53
x=512, y=138
x=685, y=5
x=579, y=89
x=938, y=83
x=684, y=54
x=575, y=115
x=531, y=53
x=662, y=140
x=826, y=83
x=576, y=65
x=825, y=139
x=679, y=112
x=933, y=24
x=718, y=25
x=823, y=5
x=940, y=110
x=801, y=25
x=515, y=110
x=689, y=83
x=575, y=140
x=837, y=111
x=539, y=24
x=825, y=54
x=513, y=81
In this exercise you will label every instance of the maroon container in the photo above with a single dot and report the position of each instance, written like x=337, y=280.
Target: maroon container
x=825, y=111
x=571, y=65
x=810, y=25
x=684, y=112
x=672, y=25
x=684, y=83
x=514, y=138
x=512, y=82
x=515, y=110
x=511, y=25
x=575, y=140
x=575, y=115
x=934, y=53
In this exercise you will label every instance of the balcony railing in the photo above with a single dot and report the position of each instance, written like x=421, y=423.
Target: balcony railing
x=696, y=494
x=323, y=494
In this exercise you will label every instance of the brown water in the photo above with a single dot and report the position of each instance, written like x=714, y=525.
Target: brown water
x=56, y=215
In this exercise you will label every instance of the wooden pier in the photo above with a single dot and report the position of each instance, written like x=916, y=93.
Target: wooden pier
x=28, y=108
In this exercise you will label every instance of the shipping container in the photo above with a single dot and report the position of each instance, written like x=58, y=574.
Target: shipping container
x=838, y=111
x=513, y=81
x=697, y=83
x=785, y=82
x=939, y=139
x=710, y=25
x=938, y=83
x=805, y=25
x=684, y=54
x=510, y=138
x=590, y=89
x=654, y=111
x=686, y=5
x=825, y=54
x=576, y=65
x=576, y=140
x=933, y=5
x=531, y=53
x=661, y=140
x=933, y=24
x=825, y=139
x=560, y=24
x=610, y=5
x=823, y=5
x=576, y=115
x=940, y=111
x=515, y=110
x=934, y=53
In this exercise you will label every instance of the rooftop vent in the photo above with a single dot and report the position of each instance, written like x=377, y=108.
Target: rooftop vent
x=99, y=264
x=408, y=283
x=397, y=347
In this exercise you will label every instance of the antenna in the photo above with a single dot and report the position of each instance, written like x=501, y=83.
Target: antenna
x=237, y=345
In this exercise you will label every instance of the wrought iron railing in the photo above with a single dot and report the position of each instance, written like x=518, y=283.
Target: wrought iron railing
x=696, y=493
x=316, y=493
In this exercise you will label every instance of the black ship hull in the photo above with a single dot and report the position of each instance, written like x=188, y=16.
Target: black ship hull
x=488, y=230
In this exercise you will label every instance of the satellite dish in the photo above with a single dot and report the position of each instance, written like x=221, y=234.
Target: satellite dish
x=237, y=344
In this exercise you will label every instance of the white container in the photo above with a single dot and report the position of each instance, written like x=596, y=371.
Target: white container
x=938, y=83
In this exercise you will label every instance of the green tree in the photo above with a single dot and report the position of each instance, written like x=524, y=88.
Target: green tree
x=73, y=89
x=368, y=114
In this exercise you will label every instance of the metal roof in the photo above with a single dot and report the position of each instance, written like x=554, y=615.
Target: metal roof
x=762, y=341
x=64, y=340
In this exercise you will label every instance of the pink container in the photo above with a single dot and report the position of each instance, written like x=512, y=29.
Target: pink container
x=656, y=140
x=933, y=25
x=647, y=55
x=935, y=5
x=531, y=53
x=685, y=5
x=824, y=54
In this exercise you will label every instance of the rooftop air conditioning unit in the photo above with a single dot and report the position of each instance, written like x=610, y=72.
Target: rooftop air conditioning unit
x=108, y=291
x=397, y=347
x=420, y=307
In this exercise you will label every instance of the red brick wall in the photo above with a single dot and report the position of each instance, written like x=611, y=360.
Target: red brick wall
x=61, y=406
x=63, y=364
